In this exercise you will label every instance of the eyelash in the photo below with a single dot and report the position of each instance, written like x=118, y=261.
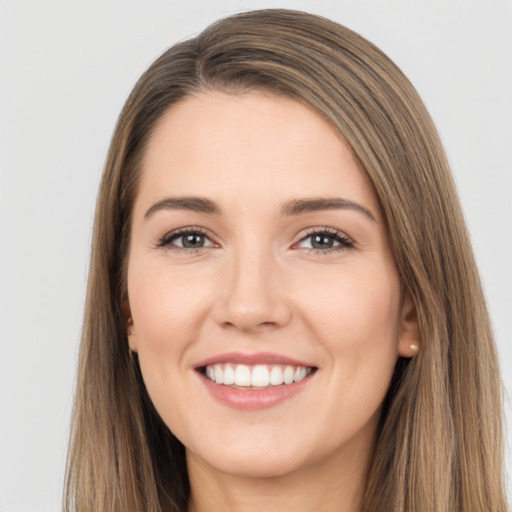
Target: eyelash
x=338, y=236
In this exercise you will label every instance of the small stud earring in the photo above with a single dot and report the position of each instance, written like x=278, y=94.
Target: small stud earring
x=414, y=348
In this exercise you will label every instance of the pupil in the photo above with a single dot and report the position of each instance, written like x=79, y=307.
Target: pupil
x=192, y=241
x=322, y=241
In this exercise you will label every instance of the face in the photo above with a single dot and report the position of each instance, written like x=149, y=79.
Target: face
x=266, y=306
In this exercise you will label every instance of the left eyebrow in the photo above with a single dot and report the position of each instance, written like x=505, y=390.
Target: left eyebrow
x=195, y=204
x=299, y=206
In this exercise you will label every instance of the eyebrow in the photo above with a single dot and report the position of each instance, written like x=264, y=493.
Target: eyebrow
x=290, y=208
x=195, y=204
x=306, y=205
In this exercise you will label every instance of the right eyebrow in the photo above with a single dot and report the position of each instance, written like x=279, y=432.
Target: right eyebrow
x=195, y=204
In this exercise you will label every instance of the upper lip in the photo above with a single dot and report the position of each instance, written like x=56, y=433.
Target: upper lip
x=252, y=359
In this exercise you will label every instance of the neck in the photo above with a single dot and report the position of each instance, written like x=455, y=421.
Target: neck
x=326, y=486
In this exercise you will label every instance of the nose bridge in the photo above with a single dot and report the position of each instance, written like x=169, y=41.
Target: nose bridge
x=252, y=297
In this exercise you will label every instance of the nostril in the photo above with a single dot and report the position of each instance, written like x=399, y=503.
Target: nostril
x=245, y=324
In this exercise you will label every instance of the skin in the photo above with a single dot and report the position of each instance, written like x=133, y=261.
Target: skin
x=258, y=285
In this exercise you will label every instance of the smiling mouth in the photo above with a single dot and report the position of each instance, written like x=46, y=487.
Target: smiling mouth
x=255, y=377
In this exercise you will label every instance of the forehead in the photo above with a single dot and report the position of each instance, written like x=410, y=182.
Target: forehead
x=253, y=146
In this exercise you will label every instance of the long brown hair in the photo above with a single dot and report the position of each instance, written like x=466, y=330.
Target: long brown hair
x=439, y=443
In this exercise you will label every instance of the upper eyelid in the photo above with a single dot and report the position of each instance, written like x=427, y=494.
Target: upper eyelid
x=329, y=231
x=185, y=231
x=325, y=229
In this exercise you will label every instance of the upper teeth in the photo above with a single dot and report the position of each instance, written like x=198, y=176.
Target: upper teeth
x=260, y=376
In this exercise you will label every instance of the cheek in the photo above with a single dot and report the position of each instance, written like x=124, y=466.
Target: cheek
x=357, y=325
x=168, y=309
x=360, y=313
x=164, y=305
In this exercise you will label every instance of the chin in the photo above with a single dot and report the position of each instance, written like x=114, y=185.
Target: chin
x=261, y=453
x=255, y=465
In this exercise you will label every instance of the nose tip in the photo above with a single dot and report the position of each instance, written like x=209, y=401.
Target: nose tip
x=249, y=319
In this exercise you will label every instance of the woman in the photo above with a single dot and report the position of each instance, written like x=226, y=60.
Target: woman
x=283, y=309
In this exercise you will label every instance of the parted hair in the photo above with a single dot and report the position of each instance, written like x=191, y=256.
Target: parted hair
x=439, y=442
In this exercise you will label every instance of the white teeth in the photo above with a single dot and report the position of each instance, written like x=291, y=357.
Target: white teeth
x=229, y=375
x=218, y=375
x=242, y=375
x=210, y=373
x=259, y=376
x=300, y=373
x=276, y=376
x=288, y=375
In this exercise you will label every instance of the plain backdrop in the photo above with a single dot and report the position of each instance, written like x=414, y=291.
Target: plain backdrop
x=66, y=69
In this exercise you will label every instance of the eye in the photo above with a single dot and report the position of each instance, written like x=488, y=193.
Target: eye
x=326, y=240
x=186, y=239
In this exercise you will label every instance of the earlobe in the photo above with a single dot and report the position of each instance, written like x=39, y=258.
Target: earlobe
x=130, y=333
x=409, y=341
x=408, y=351
x=130, y=327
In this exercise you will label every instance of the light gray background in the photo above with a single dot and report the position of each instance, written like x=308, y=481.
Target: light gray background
x=65, y=71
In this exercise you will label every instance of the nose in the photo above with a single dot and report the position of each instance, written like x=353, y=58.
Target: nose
x=252, y=298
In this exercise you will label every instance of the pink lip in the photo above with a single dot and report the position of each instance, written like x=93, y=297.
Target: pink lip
x=251, y=359
x=253, y=400
x=250, y=399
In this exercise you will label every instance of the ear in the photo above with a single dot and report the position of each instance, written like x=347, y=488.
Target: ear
x=129, y=326
x=409, y=340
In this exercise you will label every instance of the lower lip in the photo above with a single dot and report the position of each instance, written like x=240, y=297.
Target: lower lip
x=253, y=400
